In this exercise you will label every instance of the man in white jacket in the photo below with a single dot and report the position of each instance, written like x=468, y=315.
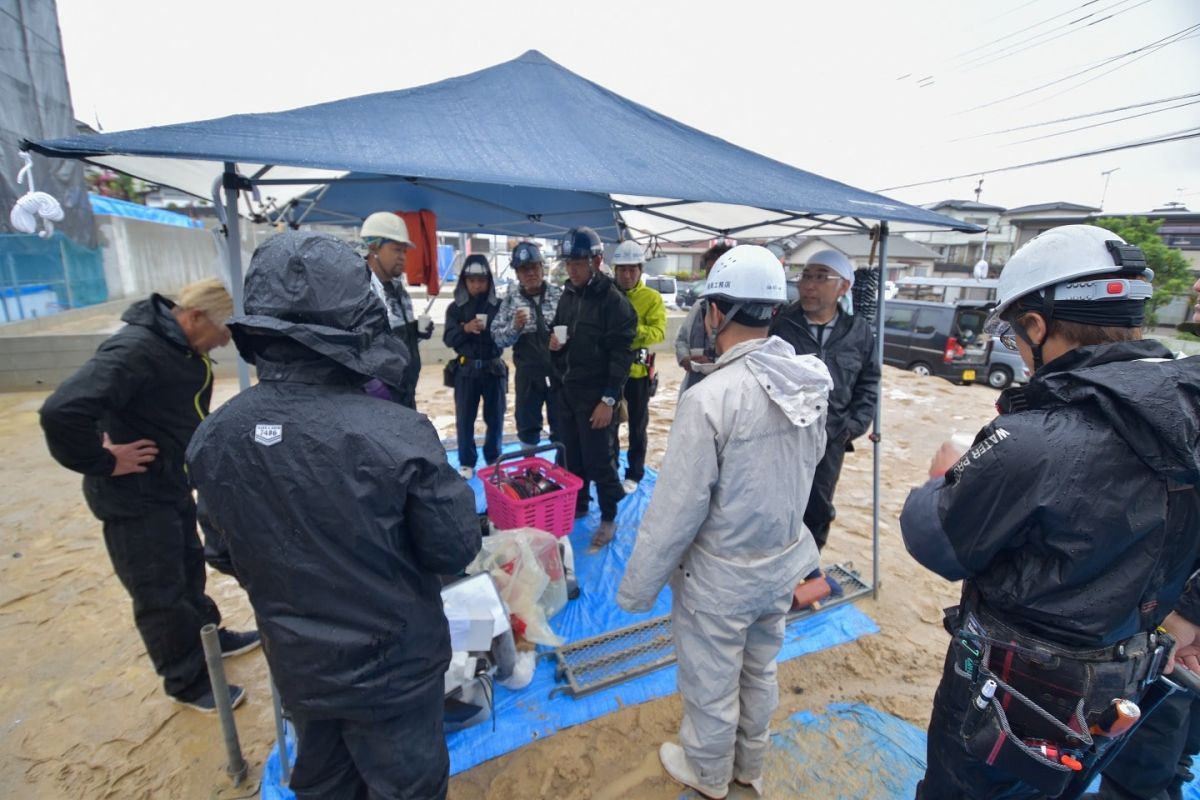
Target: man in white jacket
x=725, y=525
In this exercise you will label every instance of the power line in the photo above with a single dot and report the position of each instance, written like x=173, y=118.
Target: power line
x=1025, y=29
x=1189, y=133
x=1158, y=43
x=1114, y=69
x=1077, y=116
x=1106, y=122
x=1011, y=10
x=1009, y=52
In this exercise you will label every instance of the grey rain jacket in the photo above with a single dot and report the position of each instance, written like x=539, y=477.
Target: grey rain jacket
x=1076, y=512
x=725, y=524
x=849, y=353
x=144, y=382
x=339, y=510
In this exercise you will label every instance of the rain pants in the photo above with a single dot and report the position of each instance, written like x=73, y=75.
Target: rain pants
x=725, y=528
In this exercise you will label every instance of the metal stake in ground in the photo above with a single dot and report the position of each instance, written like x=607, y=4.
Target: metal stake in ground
x=236, y=768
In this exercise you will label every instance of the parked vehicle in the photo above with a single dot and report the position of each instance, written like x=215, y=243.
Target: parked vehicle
x=687, y=292
x=943, y=339
x=664, y=285
x=1005, y=366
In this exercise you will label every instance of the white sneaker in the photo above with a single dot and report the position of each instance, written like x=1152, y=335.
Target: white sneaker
x=629, y=486
x=467, y=472
x=675, y=762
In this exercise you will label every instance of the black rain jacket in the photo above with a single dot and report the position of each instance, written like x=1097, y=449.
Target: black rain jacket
x=339, y=511
x=849, y=353
x=601, y=324
x=472, y=346
x=144, y=382
x=1076, y=513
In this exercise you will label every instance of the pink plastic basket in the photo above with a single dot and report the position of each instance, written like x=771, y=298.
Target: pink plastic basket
x=553, y=512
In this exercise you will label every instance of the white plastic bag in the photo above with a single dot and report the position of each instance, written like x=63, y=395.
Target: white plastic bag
x=526, y=567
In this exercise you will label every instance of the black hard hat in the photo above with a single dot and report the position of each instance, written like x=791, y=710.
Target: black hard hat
x=526, y=253
x=581, y=242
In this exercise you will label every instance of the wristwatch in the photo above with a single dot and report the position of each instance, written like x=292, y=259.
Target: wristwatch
x=608, y=401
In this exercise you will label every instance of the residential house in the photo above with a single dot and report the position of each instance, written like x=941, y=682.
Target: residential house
x=905, y=257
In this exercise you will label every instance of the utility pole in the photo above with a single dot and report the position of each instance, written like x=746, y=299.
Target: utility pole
x=1107, y=177
x=978, y=189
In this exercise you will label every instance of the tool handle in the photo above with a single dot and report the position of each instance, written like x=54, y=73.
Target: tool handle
x=525, y=452
x=1184, y=678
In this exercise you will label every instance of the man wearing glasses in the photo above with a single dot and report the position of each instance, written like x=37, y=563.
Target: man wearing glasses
x=814, y=325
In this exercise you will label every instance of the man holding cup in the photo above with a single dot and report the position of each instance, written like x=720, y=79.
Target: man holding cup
x=594, y=327
x=480, y=373
x=523, y=323
x=386, y=238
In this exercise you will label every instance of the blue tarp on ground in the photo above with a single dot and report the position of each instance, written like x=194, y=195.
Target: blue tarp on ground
x=529, y=714
x=518, y=128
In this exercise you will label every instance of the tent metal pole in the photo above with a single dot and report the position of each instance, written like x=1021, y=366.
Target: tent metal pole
x=233, y=254
x=877, y=438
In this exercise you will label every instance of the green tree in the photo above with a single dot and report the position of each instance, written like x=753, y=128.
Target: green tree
x=1172, y=275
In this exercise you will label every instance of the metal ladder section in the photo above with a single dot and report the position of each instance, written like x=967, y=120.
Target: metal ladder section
x=590, y=665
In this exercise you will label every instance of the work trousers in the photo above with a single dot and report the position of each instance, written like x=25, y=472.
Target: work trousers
x=534, y=392
x=470, y=386
x=160, y=561
x=637, y=401
x=820, y=513
x=401, y=758
x=727, y=679
x=590, y=457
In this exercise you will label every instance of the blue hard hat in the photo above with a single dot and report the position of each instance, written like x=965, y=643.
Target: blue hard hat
x=581, y=242
x=526, y=253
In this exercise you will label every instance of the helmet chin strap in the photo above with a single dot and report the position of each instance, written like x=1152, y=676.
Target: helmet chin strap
x=728, y=319
x=1047, y=312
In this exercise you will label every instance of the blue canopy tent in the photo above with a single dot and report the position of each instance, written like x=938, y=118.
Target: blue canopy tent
x=524, y=148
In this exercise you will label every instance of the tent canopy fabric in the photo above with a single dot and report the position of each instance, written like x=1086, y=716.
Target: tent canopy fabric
x=526, y=124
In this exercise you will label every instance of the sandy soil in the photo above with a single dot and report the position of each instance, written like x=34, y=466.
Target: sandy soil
x=82, y=713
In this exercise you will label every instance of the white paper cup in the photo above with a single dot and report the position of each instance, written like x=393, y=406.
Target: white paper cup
x=423, y=321
x=560, y=333
x=481, y=319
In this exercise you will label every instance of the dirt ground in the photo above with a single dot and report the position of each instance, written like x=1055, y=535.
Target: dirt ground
x=82, y=713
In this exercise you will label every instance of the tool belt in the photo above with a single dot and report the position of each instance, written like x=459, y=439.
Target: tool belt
x=1033, y=702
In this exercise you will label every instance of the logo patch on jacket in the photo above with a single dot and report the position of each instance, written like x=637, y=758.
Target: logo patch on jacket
x=268, y=434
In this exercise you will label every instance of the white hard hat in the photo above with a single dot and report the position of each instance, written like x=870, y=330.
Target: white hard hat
x=835, y=260
x=628, y=252
x=1069, y=254
x=747, y=273
x=385, y=225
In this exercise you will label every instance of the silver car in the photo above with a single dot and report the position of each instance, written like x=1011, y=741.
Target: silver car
x=1004, y=366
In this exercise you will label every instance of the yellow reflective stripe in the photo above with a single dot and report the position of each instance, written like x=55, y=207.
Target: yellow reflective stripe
x=207, y=383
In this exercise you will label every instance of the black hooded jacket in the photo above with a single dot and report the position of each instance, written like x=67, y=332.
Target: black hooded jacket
x=339, y=511
x=144, y=382
x=849, y=353
x=472, y=346
x=601, y=325
x=1076, y=512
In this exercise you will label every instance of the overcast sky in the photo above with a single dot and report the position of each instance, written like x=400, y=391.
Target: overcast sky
x=820, y=86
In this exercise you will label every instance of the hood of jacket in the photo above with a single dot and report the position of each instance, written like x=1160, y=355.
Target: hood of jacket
x=311, y=288
x=155, y=314
x=462, y=296
x=1151, y=400
x=798, y=385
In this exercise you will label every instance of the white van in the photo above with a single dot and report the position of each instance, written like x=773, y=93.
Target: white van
x=664, y=285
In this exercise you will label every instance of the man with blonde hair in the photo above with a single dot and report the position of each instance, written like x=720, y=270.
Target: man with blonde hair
x=124, y=420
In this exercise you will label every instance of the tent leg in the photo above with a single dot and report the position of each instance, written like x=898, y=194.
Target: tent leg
x=233, y=254
x=877, y=438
